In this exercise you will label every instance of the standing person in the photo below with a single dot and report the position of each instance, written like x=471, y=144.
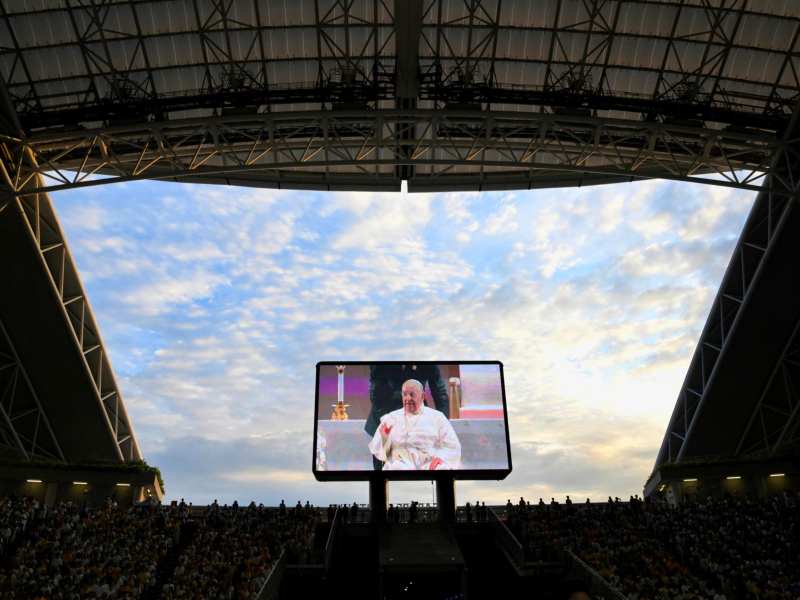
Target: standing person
x=385, y=393
x=469, y=513
x=353, y=512
x=345, y=514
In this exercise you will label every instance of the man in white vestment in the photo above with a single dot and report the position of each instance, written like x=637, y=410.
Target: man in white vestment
x=416, y=437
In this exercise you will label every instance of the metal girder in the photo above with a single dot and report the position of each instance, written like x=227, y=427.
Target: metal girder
x=55, y=253
x=761, y=232
x=24, y=428
x=448, y=65
x=458, y=57
x=408, y=30
x=364, y=147
x=774, y=424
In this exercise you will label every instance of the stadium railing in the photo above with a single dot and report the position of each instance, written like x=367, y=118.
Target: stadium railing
x=272, y=586
x=507, y=539
x=600, y=587
x=332, y=538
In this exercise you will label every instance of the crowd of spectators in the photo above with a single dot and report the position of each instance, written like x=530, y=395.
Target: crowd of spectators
x=67, y=552
x=234, y=549
x=715, y=549
x=14, y=519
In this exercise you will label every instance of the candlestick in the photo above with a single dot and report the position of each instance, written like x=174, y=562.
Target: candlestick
x=339, y=412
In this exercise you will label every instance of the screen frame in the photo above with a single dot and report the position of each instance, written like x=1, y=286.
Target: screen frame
x=467, y=475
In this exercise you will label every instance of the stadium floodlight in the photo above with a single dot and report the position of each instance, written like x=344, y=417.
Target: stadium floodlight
x=423, y=420
x=777, y=475
x=34, y=481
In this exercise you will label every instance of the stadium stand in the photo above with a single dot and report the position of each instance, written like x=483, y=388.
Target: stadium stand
x=234, y=549
x=146, y=552
x=741, y=549
x=68, y=552
x=732, y=548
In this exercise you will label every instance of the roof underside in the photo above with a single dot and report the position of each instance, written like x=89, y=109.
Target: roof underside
x=89, y=65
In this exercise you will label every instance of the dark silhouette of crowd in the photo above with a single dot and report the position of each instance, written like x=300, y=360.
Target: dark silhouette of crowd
x=347, y=514
x=715, y=549
x=71, y=552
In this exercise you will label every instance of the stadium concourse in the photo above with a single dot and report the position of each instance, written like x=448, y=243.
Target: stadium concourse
x=375, y=95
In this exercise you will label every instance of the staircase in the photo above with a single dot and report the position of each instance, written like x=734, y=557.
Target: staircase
x=167, y=568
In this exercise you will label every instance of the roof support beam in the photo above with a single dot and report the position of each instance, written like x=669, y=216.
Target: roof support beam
x=271, y=145
x=408, y=30
x=761, y=249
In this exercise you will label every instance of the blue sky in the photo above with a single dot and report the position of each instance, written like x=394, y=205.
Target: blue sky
x=216, y=303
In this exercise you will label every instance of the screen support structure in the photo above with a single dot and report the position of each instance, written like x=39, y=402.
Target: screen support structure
x=446, y=499
x=378, y=497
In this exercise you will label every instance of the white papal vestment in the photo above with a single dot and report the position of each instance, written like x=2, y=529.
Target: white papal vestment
x=415, y=440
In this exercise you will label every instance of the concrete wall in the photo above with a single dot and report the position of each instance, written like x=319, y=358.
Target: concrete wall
x=755, y=481
x=55, y=485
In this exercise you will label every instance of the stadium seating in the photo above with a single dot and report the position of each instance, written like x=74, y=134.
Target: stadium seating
x=107, y=552
x=234, y=549
x=68, y=552
x=742, y=549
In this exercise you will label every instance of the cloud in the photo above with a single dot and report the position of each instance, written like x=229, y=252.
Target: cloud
x=456, y=205
x=216, y=303
x=502, y=221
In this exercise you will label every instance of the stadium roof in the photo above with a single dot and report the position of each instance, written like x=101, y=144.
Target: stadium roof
x=361, y=94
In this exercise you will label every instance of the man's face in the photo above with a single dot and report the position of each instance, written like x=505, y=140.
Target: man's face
x=413, y=397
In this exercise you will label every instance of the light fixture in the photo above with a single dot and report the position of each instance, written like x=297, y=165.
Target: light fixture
x=79, y=483
x=690, y=479
x=124, y=484
x=34, y=481
x=734, y=477
x=662, y=488
x=777, y=475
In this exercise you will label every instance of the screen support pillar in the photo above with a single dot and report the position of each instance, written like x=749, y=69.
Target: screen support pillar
x=446, y=499
x=378, y=497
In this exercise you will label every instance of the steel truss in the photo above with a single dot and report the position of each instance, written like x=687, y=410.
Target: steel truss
x=50, y=241
x=464, y=45
x=348, y=148
x=24, y=428
x=763, y=227
x=775, y=422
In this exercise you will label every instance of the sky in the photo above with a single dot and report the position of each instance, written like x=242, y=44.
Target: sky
x=215, y=304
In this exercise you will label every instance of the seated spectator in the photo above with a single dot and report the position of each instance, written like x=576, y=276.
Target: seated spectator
x=104, y=551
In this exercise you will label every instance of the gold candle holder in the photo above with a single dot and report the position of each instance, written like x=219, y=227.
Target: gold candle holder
x=339, y=412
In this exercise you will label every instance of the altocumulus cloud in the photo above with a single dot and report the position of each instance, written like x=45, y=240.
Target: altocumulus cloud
x=216, y=303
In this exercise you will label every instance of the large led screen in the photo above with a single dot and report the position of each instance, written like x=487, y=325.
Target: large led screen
x=411, y=420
